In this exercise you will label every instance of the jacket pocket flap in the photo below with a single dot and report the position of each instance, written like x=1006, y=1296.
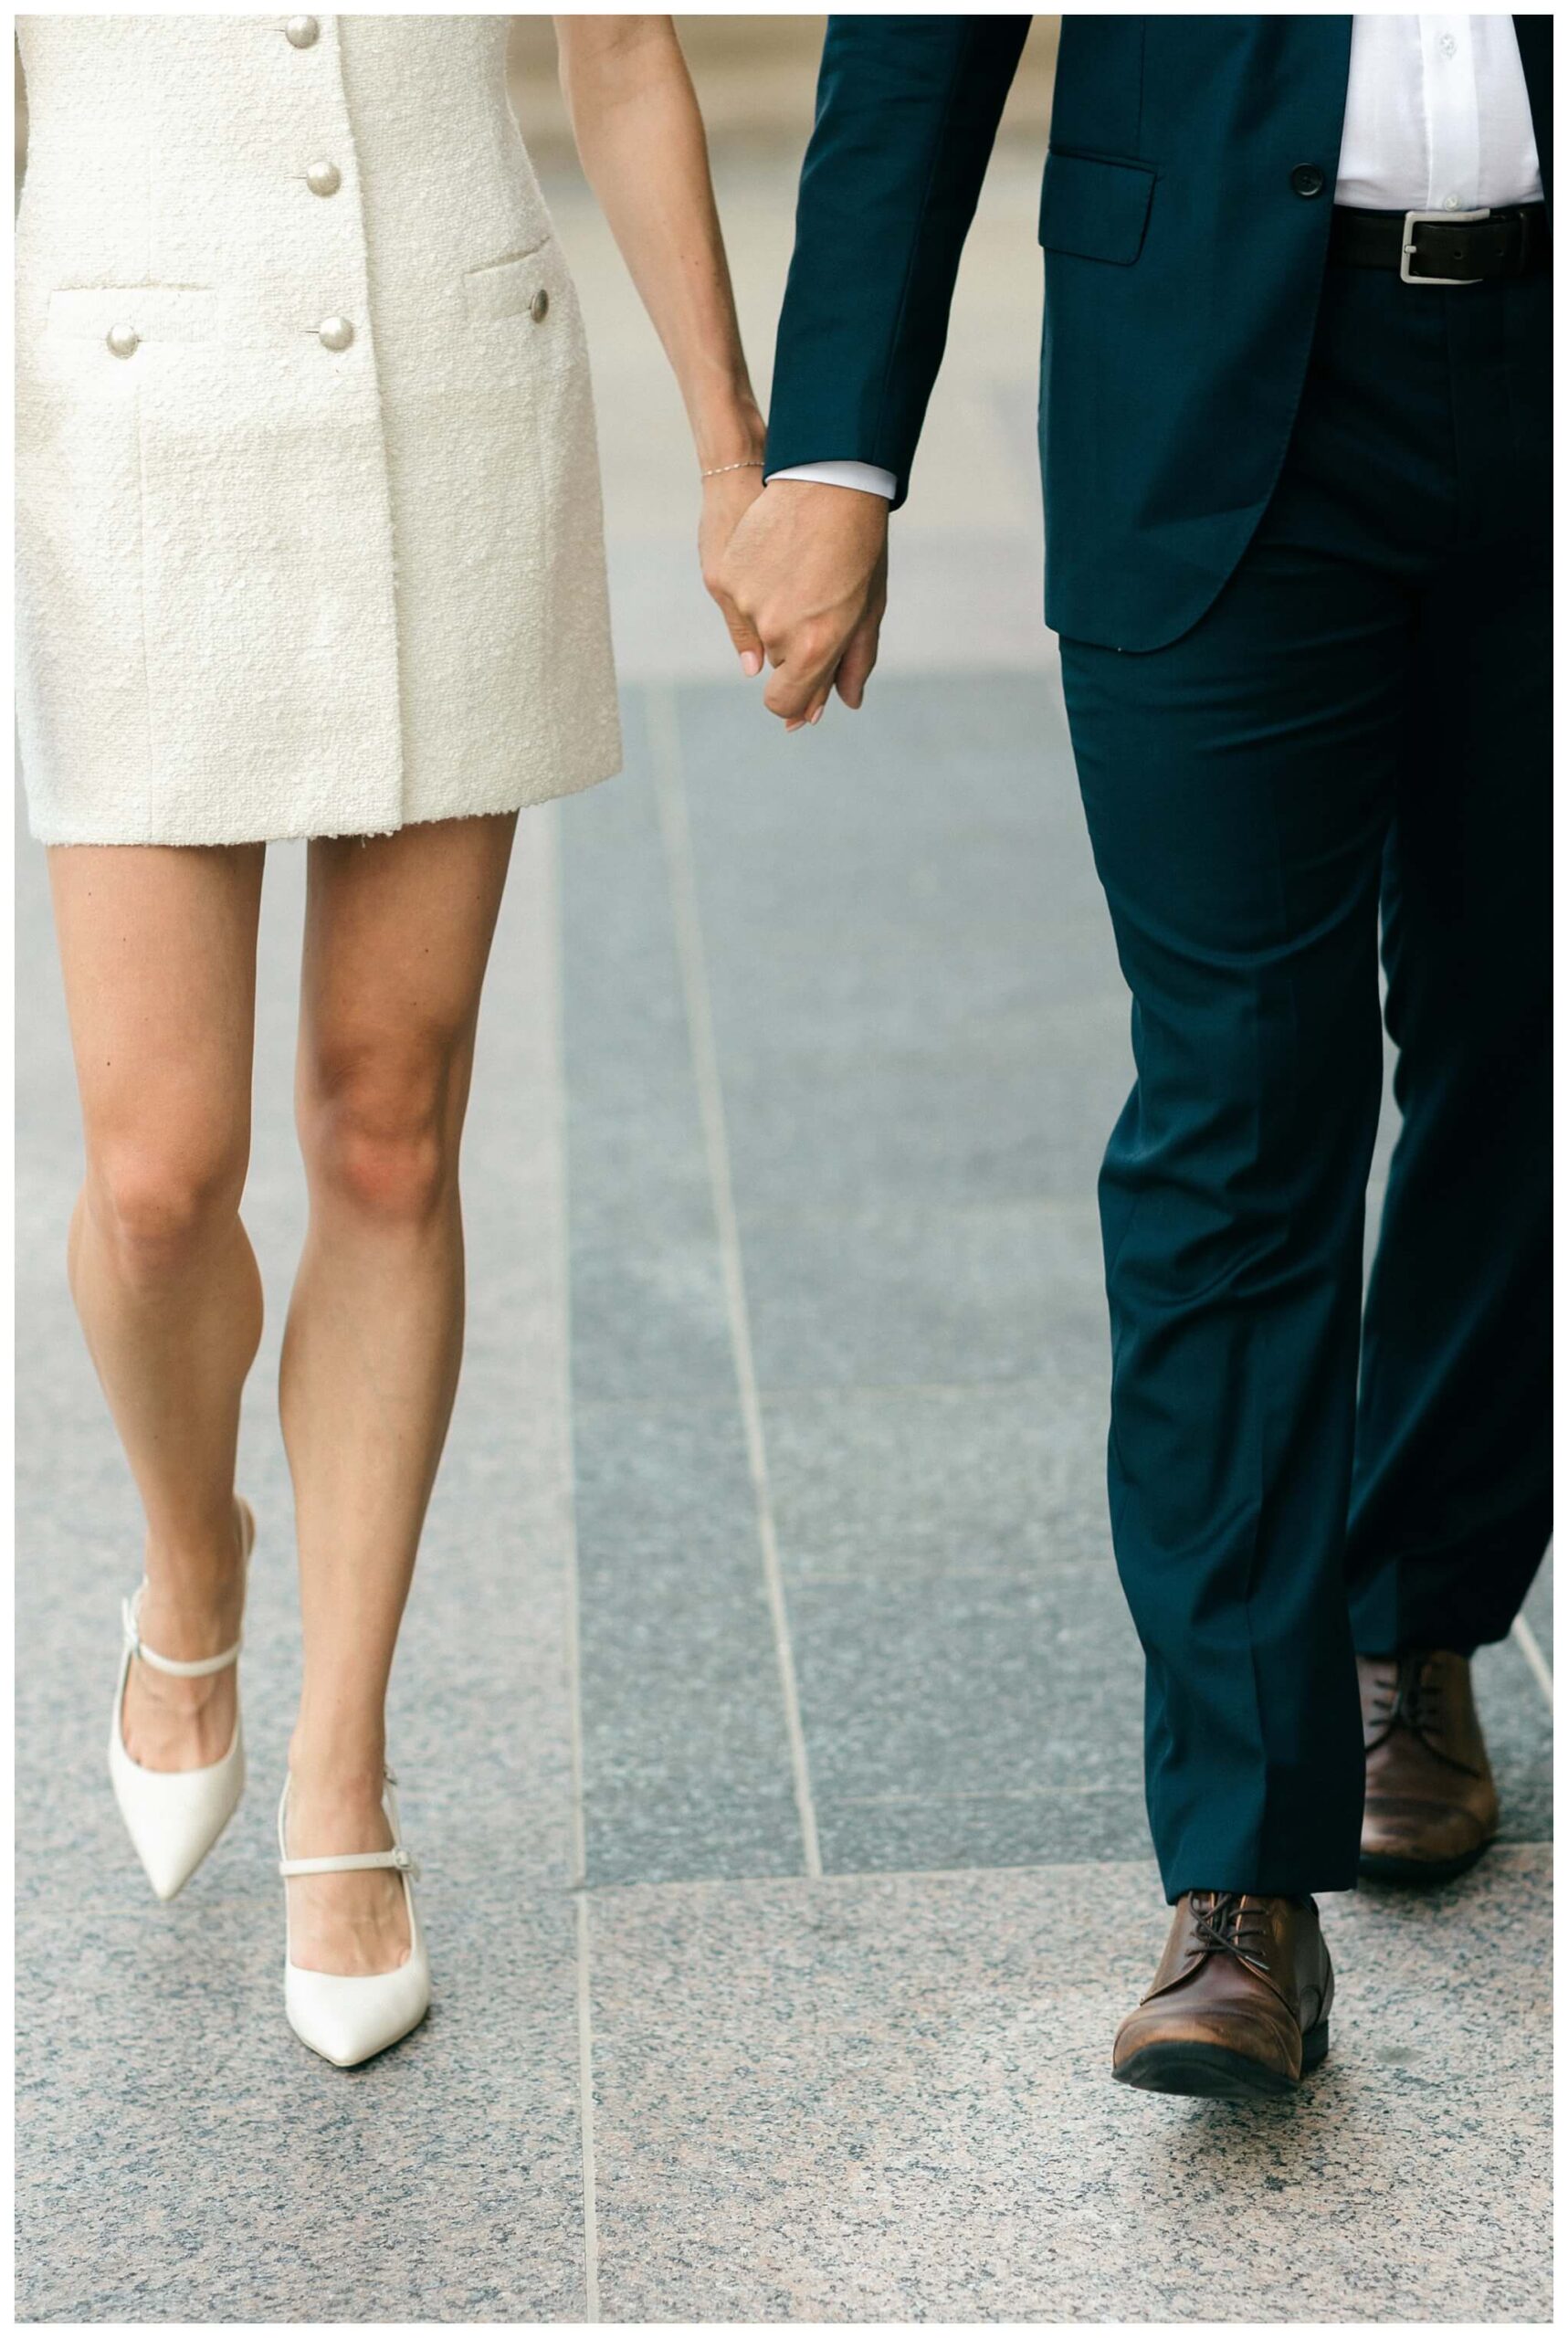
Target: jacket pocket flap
x=153, y=312
x=1095, y=209
x=505, y=288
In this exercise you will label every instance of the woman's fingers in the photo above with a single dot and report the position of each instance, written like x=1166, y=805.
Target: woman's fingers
x=743, y=634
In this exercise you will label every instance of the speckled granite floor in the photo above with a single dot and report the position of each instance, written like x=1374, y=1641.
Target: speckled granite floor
x=767, y=1588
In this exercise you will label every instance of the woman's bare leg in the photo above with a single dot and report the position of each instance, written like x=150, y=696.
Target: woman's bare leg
x=397, y=936
x=158, y=949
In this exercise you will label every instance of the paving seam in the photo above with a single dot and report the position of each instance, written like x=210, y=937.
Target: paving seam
x=555, y=1090
x=1530, y=1648
x=1524, y=1857
x=670, y=791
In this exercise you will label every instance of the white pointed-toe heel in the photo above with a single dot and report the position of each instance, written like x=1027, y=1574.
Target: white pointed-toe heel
x=174, y=1816
x=348, y=2016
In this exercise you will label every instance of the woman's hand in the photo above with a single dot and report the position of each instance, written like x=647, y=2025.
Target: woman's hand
x=726, y=500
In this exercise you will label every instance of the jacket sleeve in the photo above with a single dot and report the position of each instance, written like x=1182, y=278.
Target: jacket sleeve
x=907, y=109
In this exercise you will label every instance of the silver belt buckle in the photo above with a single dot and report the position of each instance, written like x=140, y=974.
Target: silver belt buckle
x=1414, y=219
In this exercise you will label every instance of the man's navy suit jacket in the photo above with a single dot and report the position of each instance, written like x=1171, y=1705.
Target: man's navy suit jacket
x=1185, y=216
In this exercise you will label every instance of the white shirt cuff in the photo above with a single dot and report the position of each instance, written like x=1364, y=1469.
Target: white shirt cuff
x=867, y=477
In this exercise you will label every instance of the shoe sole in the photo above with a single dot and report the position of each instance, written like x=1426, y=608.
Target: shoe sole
x=1217, y=2073
x=1386, y=1866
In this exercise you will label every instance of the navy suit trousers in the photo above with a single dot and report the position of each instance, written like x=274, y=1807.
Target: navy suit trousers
x=1360, y=724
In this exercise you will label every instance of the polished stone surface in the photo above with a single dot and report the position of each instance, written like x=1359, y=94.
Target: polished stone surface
x=685, y=1757
x=872, y=2099
x=1517, y=1728
x=901, y=1483
x=647, y=1294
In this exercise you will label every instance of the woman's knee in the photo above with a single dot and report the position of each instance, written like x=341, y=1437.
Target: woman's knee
x=377, y=1127
x=162, y=1201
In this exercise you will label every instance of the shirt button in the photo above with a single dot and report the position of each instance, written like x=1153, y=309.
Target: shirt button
x=335, y=333
x=1447, y=44
x=1307, y=179
x=1450, y=202
x=539, y=307
x=123, y=340
x=303, y=32
x=323, y=178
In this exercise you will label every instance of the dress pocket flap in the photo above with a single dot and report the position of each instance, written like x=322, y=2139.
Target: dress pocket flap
x=506, y=288
x=153, y=311
x=1095, y=209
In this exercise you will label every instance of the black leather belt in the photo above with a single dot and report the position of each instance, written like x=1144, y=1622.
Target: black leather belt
x=1445, y=247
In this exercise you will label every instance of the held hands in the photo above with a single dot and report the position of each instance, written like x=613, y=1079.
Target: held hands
x=804, y=580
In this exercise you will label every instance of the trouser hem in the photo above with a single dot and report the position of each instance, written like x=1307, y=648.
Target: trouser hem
x=1285, y=1884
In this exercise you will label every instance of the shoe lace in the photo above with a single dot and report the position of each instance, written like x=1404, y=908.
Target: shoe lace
x=1408, y=1690
x=1231, y=1923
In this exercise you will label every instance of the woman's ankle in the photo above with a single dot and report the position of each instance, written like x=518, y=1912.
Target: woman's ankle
x=194, y=1602
x=189, y=1625
x=333, y=1806
x=344, y=1774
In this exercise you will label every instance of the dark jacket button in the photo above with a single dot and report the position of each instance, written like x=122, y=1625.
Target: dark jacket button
x=1307, y=179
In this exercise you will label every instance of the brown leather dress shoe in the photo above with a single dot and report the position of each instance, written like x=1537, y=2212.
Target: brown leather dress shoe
x=1431, y=1807
x=1239, y=2007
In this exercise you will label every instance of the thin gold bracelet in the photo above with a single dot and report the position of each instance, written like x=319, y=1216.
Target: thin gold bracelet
x=753, y=463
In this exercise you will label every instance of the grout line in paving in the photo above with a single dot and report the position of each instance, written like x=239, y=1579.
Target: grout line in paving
x=553, y=945
x=834, y=1391
x=1499, y=1854
x=1530, y=1648
x=981, y=1794
x=553, y=959
x=1053, y=1571
x=586, y=2112
x=886, y=1211
x=664, y=736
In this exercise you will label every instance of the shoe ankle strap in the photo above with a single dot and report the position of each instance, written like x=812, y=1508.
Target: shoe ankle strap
x=348, y=1862
x=196, y=1668
x=351, y=1862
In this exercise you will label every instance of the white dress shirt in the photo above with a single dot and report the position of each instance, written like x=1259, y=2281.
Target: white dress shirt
x=1437, y=119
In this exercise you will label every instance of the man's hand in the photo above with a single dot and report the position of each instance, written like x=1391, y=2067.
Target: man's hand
x=807, y=567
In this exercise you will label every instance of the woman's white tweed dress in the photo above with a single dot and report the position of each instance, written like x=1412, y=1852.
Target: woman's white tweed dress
x=308, y=534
